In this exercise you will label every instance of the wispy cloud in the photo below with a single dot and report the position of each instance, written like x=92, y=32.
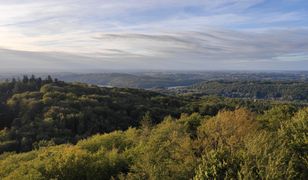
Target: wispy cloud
x=169, y=33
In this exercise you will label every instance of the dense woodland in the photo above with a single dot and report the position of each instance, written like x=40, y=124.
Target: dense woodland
x=124, y=80
x=56, y=130
x=275, y=90
x=166, y=79
x=150, y=80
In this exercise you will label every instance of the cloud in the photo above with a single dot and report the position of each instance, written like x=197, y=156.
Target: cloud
x=191, y=50
x=159, y=34
x=218, y=44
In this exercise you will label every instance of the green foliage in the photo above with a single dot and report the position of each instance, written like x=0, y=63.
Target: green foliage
x=281, y=153
x=191, y=123
x=231, y=145
x=146, y=121
x=117, y=139
x=273, y=118
x=218, y=164
x=167, y=153
x=43, y=143
x=64, y=162
x=111, y=133
x=53, y=110
x=279, y=90
x=227, y=129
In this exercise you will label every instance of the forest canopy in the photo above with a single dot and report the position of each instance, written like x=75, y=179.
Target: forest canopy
x=56, y=130
x=231, y=145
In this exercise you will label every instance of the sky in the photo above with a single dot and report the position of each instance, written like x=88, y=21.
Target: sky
x=71, y=35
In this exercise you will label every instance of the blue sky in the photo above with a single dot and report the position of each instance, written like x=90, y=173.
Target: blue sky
x=146, y=34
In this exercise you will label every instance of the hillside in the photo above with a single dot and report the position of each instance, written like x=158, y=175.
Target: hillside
x=56, y=130
x=165, y=79
x=33, y=109
x=231, y=145
x=274, y=90
x=133, y=80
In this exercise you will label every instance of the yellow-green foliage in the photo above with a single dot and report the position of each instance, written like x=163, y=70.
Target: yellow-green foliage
x=86, y=160
x=273, y=118
x=227, y=129
x=116, y=140
x=220, y=141
x=167, y=153
x=231, y=145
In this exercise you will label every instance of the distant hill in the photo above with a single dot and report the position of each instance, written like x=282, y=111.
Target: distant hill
x=145, y=81
x=165, y=79
x=278, y=90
